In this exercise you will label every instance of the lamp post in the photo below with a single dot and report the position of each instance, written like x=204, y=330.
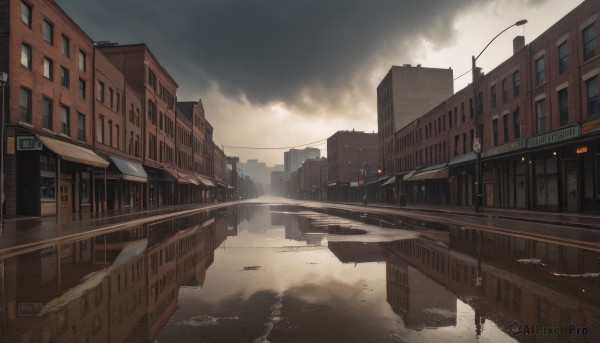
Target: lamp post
x=476, y=101
x=3, y=81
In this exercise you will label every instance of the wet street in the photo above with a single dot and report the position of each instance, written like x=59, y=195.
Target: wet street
x=285, y=273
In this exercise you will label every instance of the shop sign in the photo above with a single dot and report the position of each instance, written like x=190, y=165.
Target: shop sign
x=10, y=145
x=582, y=150
x=554, y=136
x=590, y=126
x=501, y=149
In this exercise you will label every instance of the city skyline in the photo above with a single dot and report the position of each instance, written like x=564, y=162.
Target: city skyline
x=300, y=83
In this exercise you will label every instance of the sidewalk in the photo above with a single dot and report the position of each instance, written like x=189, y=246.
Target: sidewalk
x=579, y=220
x=29, y=232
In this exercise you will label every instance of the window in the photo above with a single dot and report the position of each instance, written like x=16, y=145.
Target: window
x=110, y=133
x=540, y=110
x=65, y=120
x=589, y=42
x=80, y=127
x=47, y=186
x=117, y=136
x=26, y=14
x=516, y=83
x=82, y=87
x=64, y=47
x=462, y=111
x=64, y=77
x=450, y=119
x=505, y=127
x=539, y=71
x=504, y=91
x=82, y=64
x=456, y=138
x=100, y=92
x=562, y=58
x=110, y=97
x=592, y=96
x=25, y=105
x=48, y=67
x=464, y=143
x=100, y=130
x=46, y=113
x=118, y=102
x=48, y=32
x=563, y=106
x=495, y=132
x=493, y=95
x=517, y=123
x=152, y=79
x=26, y=56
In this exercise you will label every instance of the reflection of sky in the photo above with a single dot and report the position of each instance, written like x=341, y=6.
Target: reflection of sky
x=315, y=291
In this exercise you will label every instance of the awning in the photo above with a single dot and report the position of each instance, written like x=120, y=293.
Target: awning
x=178, y=176
x=132, y=171
x=73, y=153
x=407, y=175
x=390, y=181
x=466, y=158
x=441, y=173
x=185, y=178
x=331, y=184
x=170, y=172
x=205, y=181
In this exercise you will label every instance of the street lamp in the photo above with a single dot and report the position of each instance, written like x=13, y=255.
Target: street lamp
x=476, y=101
x=3, y=81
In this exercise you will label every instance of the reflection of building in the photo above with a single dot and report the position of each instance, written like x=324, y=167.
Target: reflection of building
x=417, y=297
x=509, y=292
x=120, y=287
x=357, y=252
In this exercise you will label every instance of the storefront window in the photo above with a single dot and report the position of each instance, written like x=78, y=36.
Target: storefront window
x=588, y=170
x=47, y=187
x=47, y=163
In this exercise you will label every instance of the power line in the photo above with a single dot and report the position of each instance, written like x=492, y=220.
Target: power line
x=463, y=74
x=272, y=148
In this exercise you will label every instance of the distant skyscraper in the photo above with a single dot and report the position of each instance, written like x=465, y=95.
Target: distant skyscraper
x=293, y=158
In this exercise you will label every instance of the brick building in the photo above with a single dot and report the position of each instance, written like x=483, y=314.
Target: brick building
x=539, y=127
x=405, y=94
x=92, y=127
x=48, y=161
x=117, y=134
x=144, y=73
x=352, y=163
x=312, y=179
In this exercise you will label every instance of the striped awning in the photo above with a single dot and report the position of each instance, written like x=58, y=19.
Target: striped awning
x=205, y=181
x=73, y=153
x=185, y=178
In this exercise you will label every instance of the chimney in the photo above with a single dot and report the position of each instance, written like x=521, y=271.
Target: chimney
x=518, y=44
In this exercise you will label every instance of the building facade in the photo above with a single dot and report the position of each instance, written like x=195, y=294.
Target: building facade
x=405, y=94
x=92, y=127
x=352, y=164
x=539, y=128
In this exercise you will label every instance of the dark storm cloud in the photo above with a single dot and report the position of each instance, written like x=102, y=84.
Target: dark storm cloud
x=271, y=50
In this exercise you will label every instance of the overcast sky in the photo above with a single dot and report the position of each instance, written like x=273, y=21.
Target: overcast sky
x=275, y=73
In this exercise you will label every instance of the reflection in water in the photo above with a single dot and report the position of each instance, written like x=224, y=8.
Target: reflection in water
x=282, y=276
x=120, y=287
